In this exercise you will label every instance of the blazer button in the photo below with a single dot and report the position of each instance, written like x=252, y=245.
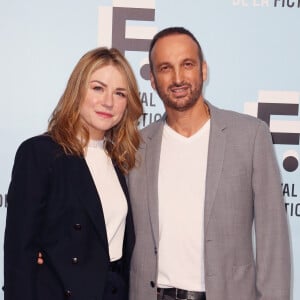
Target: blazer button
x=74, y=260
x=77, y=226
x=152, y=283
x=68, y=293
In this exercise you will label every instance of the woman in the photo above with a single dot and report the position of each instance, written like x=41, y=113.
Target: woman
x=68, y=198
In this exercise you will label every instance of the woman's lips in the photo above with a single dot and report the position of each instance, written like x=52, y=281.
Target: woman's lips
x=104, y=114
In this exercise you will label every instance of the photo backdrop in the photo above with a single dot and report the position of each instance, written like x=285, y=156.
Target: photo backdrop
x=251, y=46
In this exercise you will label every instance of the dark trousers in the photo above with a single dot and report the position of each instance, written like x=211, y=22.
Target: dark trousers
x=115, y=288
x=164, y=297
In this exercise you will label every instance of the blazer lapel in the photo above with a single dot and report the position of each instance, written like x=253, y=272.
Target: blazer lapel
x=152, y=156
x=90, y=199
x=215, y=160
x=129, y=238
x=216, y=150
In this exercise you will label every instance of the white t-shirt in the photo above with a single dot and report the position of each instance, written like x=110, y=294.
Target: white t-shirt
x=181, y=193
x=112, y=198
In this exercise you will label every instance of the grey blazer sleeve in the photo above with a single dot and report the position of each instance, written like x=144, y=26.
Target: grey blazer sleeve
x=271, y=229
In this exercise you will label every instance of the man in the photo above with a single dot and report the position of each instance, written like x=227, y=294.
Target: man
x=205, y=176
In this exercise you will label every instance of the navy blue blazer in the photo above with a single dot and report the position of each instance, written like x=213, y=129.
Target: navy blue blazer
x=54, y=208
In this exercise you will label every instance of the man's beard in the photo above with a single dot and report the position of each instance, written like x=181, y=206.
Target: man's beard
x=179, y=105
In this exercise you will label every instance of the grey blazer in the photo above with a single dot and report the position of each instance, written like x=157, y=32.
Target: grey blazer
x=243, y=187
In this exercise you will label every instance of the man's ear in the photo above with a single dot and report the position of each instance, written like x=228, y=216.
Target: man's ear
x=152, y=81
x=204, y=70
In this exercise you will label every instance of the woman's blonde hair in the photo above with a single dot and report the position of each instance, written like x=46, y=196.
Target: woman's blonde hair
x=65, y=125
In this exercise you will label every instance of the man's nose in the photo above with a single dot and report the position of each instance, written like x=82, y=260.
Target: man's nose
x=178, y=75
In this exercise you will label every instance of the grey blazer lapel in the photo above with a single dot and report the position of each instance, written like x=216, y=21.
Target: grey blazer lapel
x=152, y=158
x=216, y=149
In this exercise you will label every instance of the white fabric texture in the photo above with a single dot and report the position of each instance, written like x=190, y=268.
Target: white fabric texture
x=181, y=194
x=112, y=198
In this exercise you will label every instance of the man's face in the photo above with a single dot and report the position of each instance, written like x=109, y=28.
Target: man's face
x=177, y=74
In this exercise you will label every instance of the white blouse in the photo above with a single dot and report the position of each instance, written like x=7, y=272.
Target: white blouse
x=111, y=195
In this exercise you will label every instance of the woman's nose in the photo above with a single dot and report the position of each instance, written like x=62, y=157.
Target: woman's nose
x=107, y=100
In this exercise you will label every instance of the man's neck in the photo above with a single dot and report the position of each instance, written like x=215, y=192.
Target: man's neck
x=190, y=121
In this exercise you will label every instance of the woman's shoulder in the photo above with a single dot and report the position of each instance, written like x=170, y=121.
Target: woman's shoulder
x=40, y=146
x=42, y=141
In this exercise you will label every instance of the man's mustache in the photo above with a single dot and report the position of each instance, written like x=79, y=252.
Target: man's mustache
x=179, y=85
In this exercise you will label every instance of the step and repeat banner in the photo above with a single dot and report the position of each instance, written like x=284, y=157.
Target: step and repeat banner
x=251, y=46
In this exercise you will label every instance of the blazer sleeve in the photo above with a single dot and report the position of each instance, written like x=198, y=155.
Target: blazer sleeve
x=271, y=228
x=26, y=201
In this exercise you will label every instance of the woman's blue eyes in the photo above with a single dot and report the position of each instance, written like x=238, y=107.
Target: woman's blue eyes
x=100, y=88
x=121, y=94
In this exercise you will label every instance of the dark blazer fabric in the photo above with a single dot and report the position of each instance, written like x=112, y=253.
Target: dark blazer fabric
x=54, y=208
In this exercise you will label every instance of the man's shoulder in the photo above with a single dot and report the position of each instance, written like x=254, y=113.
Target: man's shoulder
x=151, y=128
x=235, y=118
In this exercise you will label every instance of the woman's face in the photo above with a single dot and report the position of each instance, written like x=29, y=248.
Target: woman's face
x=105, y=101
